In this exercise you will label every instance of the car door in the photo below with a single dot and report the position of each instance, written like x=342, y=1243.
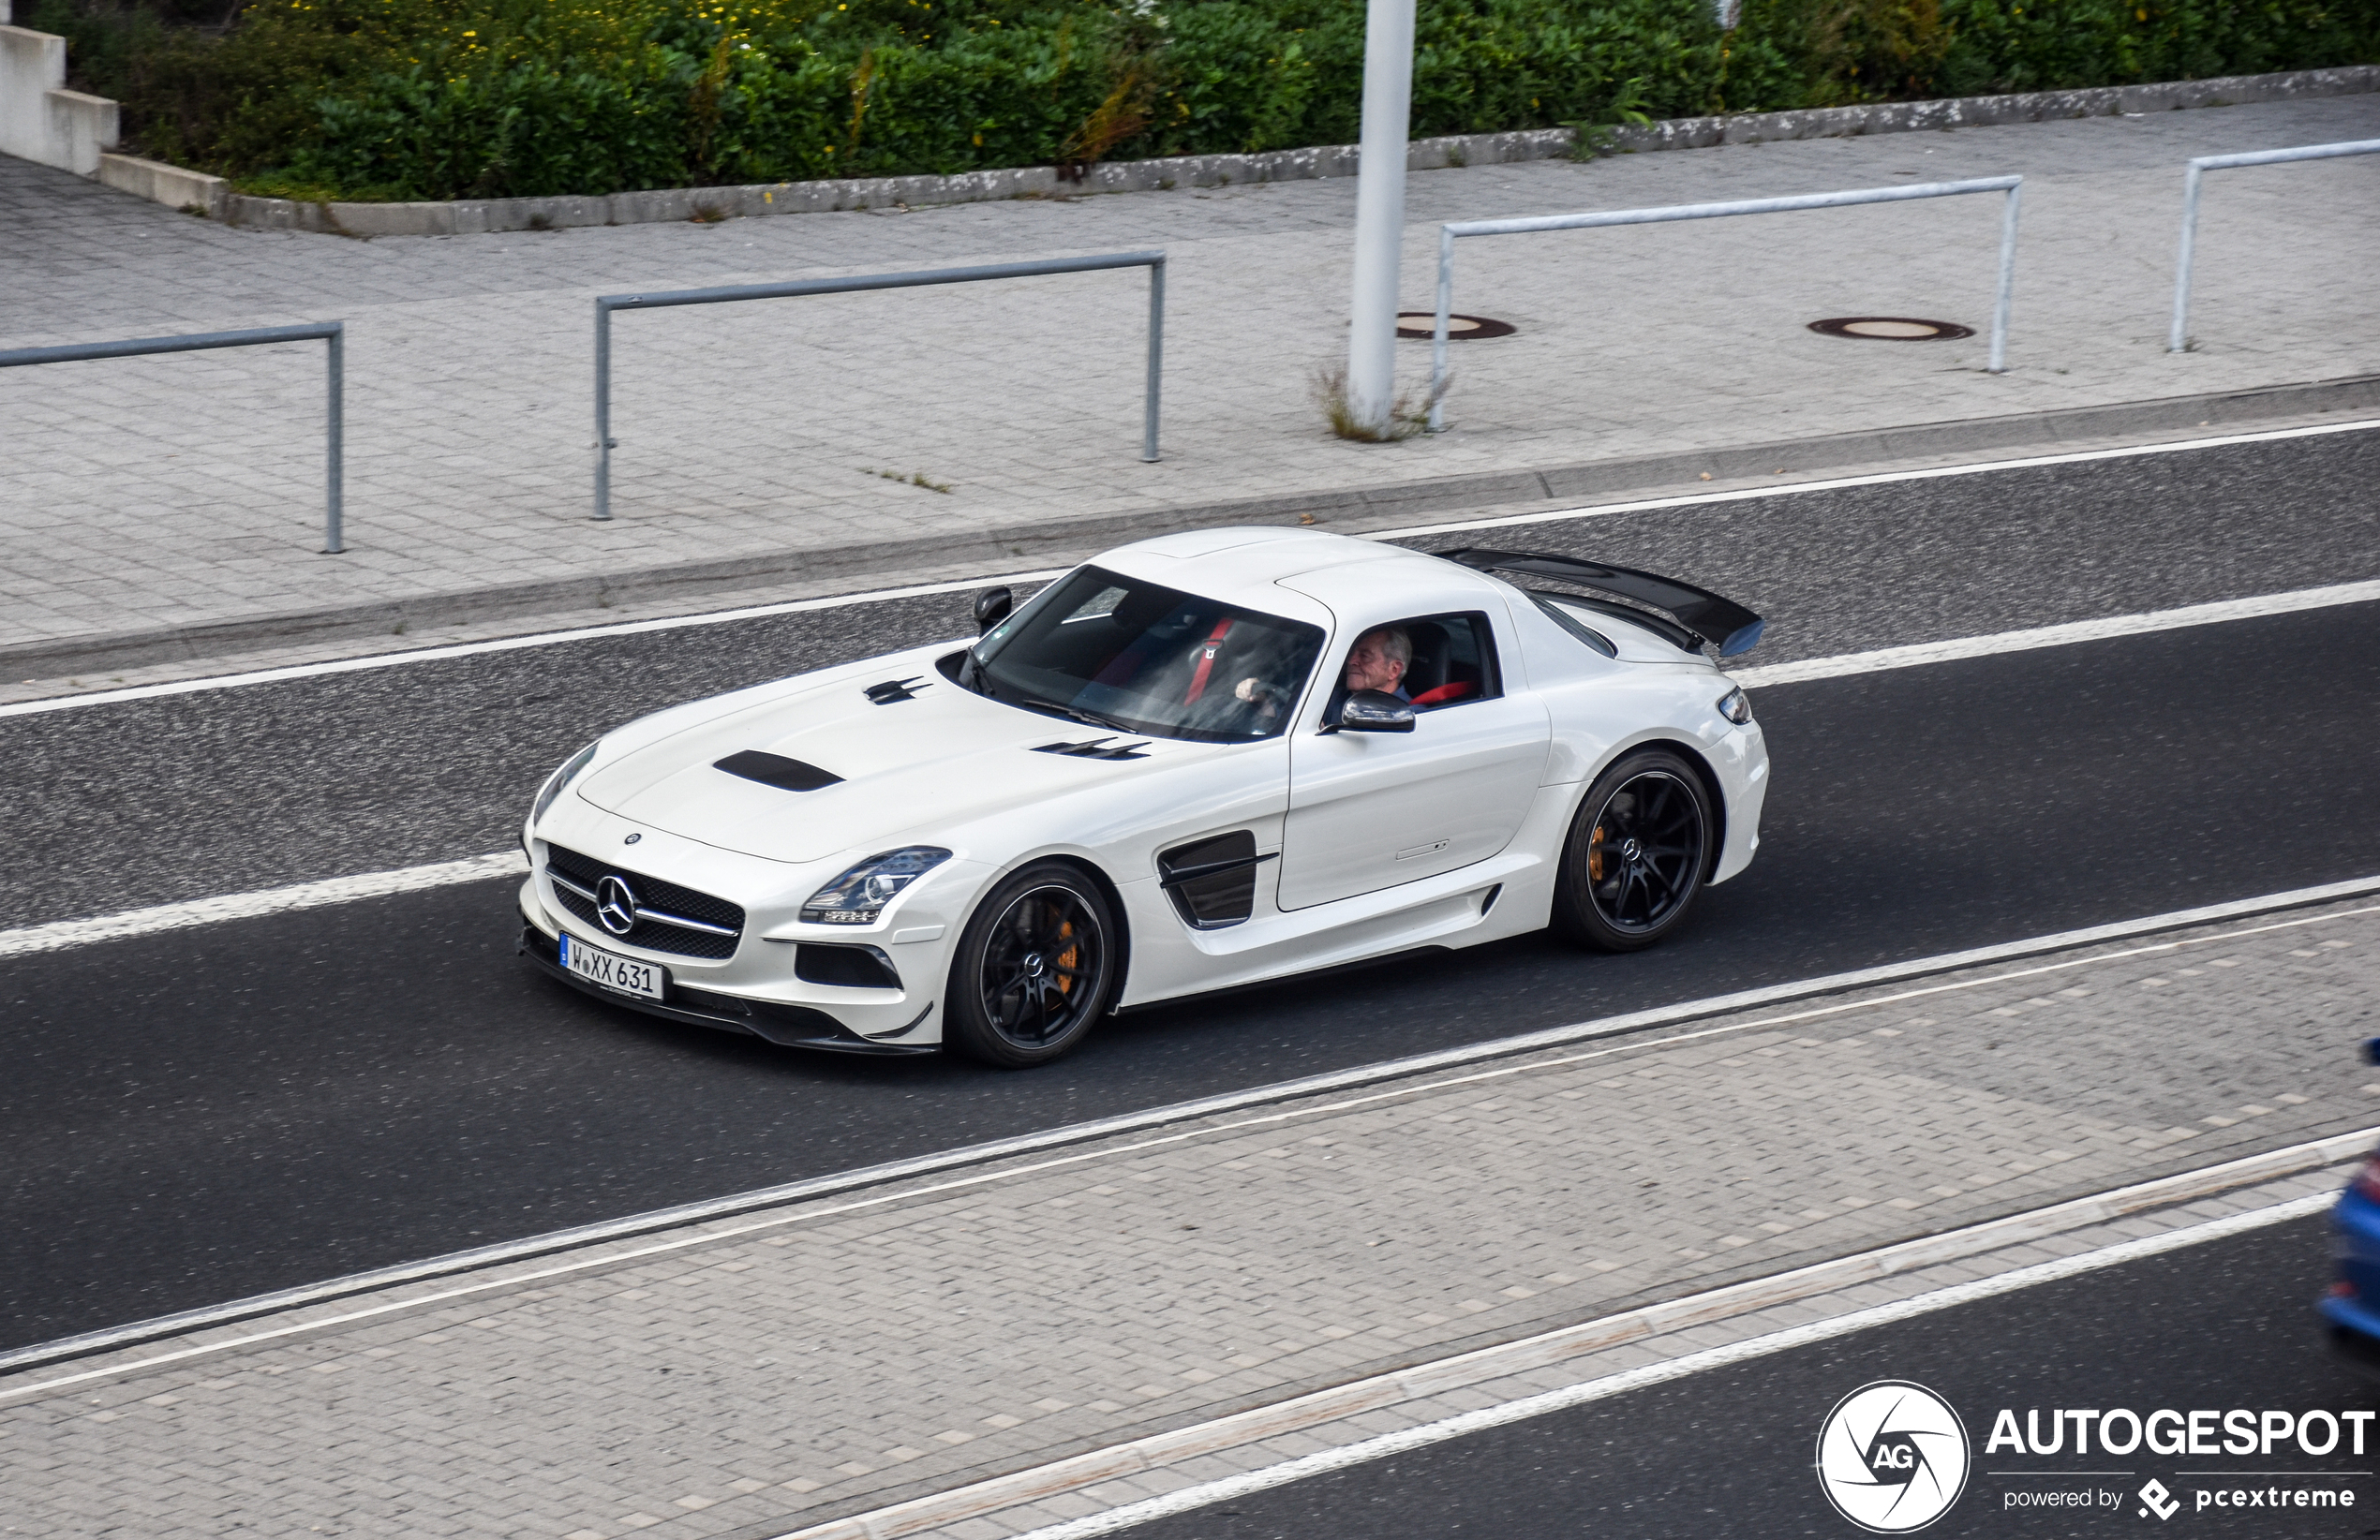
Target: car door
x=1372, y=810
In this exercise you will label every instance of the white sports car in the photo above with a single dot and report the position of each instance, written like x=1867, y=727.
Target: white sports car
x=1196, y=762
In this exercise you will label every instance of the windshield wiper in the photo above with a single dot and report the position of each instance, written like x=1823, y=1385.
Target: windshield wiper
x=1092, y=718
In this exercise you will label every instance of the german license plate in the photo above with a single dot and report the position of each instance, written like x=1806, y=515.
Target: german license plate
x=619, y=974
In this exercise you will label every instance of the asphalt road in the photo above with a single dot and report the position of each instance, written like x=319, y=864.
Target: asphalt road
x=211, y=1112
x=146, y=802
x=2227, y=1324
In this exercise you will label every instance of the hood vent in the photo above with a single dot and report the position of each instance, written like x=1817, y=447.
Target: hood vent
x=892, y=690
x=777, y=770
x=1096, y=748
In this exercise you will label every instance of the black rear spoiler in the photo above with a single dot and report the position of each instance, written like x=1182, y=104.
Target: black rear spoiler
x=1721, y=622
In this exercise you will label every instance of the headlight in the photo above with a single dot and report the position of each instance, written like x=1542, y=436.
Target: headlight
x=559, y=778
x=1735, y=706
x=859, y=894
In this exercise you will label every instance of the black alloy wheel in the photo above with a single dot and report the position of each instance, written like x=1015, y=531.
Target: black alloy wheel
x=1637, y=854
x=1035, y=970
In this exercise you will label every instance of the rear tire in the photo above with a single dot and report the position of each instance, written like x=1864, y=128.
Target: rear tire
x=1636, y=854
x=1035, y=969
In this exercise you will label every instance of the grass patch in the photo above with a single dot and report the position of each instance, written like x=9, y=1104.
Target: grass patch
x=1406, y=416
x=915, y=478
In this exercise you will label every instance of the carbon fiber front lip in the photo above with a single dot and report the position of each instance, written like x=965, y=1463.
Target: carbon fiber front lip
x=783, y=1030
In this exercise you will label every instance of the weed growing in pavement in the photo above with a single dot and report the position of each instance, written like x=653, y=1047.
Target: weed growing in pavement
x=1406, y=418
x=1592, y=138
x=915, y=478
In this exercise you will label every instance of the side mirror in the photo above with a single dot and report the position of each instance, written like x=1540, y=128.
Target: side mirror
x=992, y=607
x=1376, y=711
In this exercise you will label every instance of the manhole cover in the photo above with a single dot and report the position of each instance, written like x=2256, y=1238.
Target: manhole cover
x=1891, y=329
x=1424, y=324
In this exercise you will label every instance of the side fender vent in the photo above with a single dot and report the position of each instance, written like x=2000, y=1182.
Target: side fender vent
x=892, y=690
x=778, y=770
x=1212, y=882
x=1096, y=748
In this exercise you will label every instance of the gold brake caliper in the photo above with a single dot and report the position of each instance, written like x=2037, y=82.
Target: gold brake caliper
x=1067, y=958
x=1594, y=856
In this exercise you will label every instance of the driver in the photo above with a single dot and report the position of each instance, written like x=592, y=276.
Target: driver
x=1379, y=661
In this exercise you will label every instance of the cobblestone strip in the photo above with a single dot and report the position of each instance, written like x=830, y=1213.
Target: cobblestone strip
x=846, y=1358
x=1096, y=1504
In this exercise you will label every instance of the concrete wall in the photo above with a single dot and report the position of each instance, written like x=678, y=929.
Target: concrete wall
x=39, y=118
x=170, y=185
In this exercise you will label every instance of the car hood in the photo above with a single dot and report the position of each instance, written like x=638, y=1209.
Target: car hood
x=937, y=761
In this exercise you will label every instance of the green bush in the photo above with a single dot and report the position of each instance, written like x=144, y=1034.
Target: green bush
x=450, y=99
x=1855, y=51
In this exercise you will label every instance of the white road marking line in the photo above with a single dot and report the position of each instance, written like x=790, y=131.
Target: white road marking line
x=1837, y=483
x=708, y=1213
x=631, y=628
x=249, y=906
x=2057, y=636
x=508, y=643
x=1602, y=1387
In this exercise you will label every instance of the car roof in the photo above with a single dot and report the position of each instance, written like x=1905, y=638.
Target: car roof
x=1249, y=566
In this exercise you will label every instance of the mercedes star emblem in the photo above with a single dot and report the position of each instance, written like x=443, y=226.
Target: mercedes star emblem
x=632, y=840
x=615, y=905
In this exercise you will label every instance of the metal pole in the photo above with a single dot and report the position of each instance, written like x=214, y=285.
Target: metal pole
x=334, y=505
x=1998, y=364
x=1437, y=337
x=2177, y=339
x=1379, y=212
x=1149, y=396
x=602, y=410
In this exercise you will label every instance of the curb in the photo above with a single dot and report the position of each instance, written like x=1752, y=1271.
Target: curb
x=1463, y=1371
x=476, y=217
x=1065, y=539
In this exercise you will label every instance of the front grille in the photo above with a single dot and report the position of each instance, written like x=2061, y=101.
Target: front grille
x=653, y=893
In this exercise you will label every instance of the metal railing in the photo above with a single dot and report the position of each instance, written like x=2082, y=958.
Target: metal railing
x=1153, y=260
x=2176, y=341
x=334, y=333
x=1448, y=234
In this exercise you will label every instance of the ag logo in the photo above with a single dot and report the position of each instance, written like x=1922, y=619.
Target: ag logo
x=1892, y=1456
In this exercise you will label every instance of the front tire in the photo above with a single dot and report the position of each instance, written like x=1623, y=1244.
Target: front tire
x=1636, y=854
x=1037, y=967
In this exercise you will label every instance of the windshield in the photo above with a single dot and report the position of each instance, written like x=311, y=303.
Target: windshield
x=1116, y=651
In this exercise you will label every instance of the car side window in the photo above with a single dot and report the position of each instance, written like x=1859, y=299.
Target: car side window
x=1447, y=660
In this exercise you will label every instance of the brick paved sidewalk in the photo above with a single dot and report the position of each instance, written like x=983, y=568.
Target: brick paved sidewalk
x=793, y=1366
x=186, y=490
